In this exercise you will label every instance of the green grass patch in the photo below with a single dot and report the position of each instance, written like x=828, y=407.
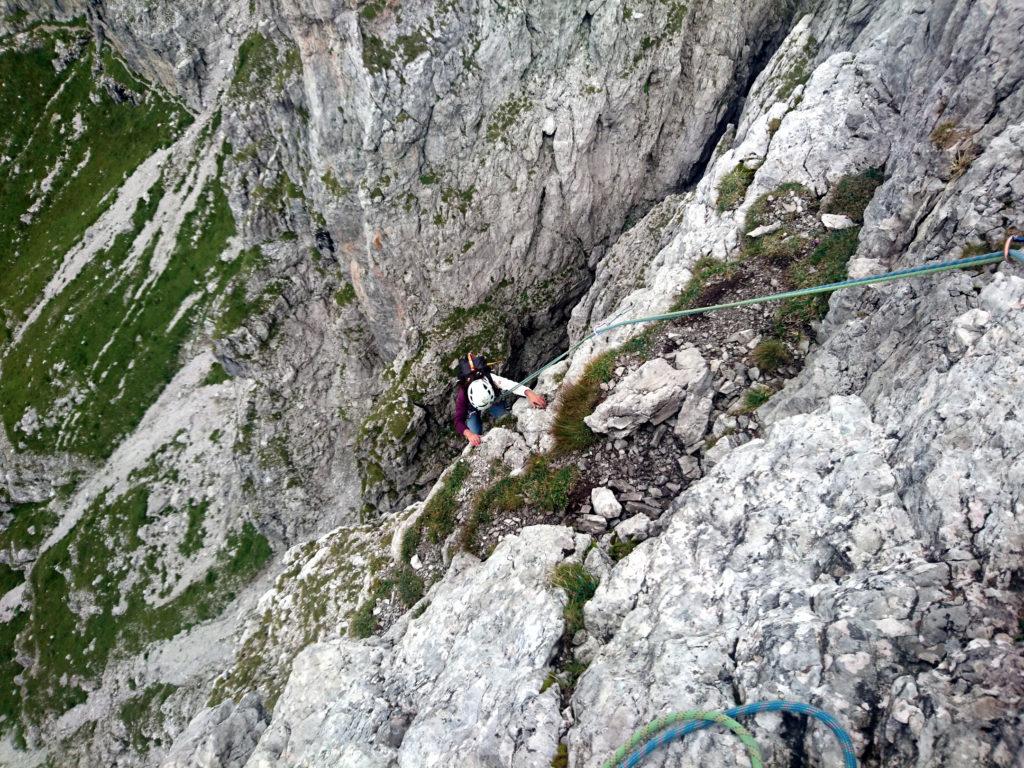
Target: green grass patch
x=705, y=271
x=620, y=548
x=409, y=586
x=236, y=304
x=28, y=528
x=263, y=67
x=9, y=578
x=438, y=517
x=505, y=116
x=362, y=623
x=576, y=401
x=10, y=691
x=105, y=563
x=733, y=187
x=195, y=533
x=852, y=193
x=63, y=131
x=579, y=586
x=216, y=375
x=780, y=247
x=118, y=351
x=826, y=264
x=798, y=72
x=345, y=295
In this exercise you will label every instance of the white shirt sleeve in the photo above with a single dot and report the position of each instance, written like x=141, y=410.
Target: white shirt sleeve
x=509, y=386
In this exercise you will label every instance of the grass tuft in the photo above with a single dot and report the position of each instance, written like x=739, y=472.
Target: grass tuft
x=770, y=355
x=539, y=486
x=851, y=194
x=755, y=397
x=409, y=586
x=579, y=586
x=733, y=187
x=620, y=548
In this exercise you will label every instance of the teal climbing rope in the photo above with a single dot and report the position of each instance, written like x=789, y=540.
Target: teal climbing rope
x=887, y=277
x=667, y=729
x=696, y=719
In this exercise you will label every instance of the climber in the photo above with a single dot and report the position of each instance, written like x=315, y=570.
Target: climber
x=476, y=395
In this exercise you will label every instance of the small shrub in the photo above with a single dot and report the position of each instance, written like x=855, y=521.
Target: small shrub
x=851, y=194
x=579, y=586
x=733, y=187
x=561, y=758
x=770, y=355
x=410, y=586
x=962, y=161
x=755, y=397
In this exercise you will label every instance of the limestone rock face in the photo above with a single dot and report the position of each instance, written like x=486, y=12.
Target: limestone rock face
x=221, y=737
x=847, y=597
x=407, y=183
x=458, y=684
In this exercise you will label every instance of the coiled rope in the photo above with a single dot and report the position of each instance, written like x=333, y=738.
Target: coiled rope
x=901, y=274
x=667, y=729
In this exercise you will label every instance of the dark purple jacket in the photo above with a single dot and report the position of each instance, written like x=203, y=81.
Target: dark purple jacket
x=461, y=408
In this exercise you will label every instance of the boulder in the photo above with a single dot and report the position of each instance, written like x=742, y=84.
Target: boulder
x=692, y=423
x=604, y=503
x=652, y=394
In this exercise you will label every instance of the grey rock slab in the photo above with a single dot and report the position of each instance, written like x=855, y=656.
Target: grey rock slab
x=592, y=524
x=636, y=528
x=651, y=394
x=220, y=737
x=502, y=615
x=692, y=422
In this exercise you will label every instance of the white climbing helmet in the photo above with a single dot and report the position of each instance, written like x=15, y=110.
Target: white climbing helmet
x=481, y=394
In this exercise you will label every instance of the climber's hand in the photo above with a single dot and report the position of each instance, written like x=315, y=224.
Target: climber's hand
x=474, y=439
x=535, y=400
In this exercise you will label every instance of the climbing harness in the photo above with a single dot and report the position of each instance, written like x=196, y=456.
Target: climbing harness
x=667, y=729
x=902, y=274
